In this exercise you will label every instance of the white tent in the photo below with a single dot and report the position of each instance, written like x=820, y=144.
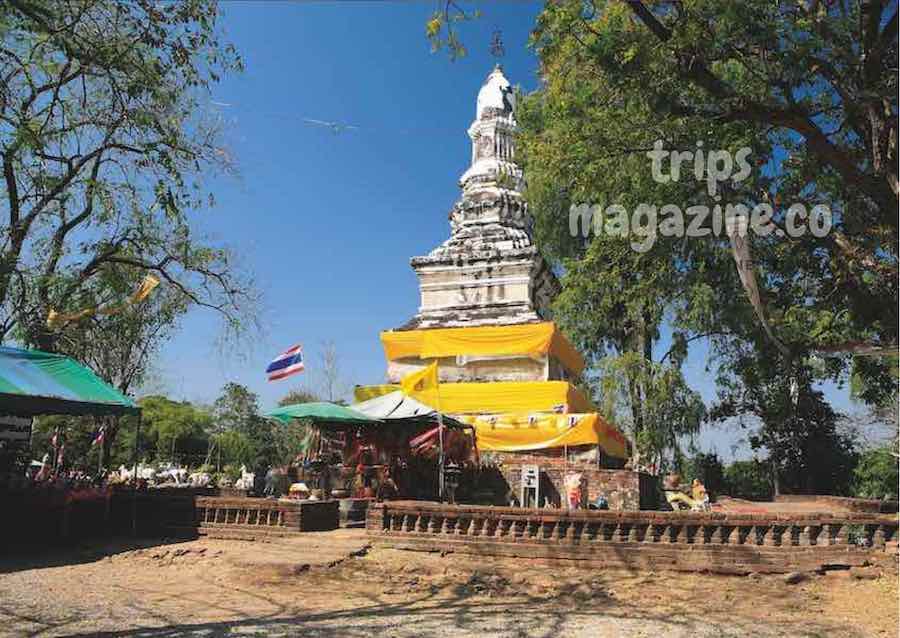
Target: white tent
x=394, y=405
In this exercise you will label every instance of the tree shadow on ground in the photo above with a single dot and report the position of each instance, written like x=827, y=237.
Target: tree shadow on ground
x=23, y=556
x=481, y=598
x=475, y=607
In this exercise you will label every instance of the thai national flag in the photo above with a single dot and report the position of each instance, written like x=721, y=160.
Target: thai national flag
x=99, y=437
x=287, y=363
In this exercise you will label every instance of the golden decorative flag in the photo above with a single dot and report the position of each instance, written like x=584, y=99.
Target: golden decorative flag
x=56, y=319
x=147, y=285
x=421, y=381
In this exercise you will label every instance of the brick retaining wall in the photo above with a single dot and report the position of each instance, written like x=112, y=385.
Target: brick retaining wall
x=49, y=516
x=714, y=542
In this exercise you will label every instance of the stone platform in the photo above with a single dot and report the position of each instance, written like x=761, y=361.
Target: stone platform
x=701, y=542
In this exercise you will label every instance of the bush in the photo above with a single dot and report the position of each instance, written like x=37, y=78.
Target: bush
x=749, y=479
x=876, y=475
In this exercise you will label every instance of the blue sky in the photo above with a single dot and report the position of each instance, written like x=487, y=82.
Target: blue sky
x=327, y=222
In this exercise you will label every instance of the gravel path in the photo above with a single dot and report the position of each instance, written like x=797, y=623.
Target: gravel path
x=334, y=584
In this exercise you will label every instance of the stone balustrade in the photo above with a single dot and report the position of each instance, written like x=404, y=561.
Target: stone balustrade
x=263, y=516
x=738, y=543
x=214, y=512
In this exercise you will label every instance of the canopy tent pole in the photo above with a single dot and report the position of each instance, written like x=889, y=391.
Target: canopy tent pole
x=440, y=455
x=440, y=415
x=54, y=462
x=134, y=478
x=100, y=455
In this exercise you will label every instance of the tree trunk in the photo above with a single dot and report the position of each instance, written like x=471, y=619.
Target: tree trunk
x=776, y=482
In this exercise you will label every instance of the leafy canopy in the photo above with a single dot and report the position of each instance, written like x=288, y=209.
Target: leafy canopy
x=105, y=136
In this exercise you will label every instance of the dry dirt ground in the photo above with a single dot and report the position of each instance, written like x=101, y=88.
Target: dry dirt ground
x=334, y=584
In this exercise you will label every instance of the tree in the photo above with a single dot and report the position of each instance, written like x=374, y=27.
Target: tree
x=620, y=291
x=809, y=87
x=812, y=86
x=176, y=430
x=103, y=141
x=751, y=480
x=332, y=381
x=788, y=417
x=121, y=347
x=239, y=428
x=876, y=475
x=236, y=448
x=879, y=392
x=290, y=440
x=237, y=408
x=298, y=395
x=77, y=435
x=651, y=399
x=768, y=83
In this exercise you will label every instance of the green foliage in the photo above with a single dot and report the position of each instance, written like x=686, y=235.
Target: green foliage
x=242, y=434
x=298, y=395
x=121, y=347
x=237, y=449
x=787, y=418
x=617, y=77
x=751, y=480
x=876, y=475
x=230, y=434
x=78, y=434
x=236, y=409
x=580, y=145
x=176, y=431
x=708, y=468
x=290, y=440
x=651, y=399
x=441, y=29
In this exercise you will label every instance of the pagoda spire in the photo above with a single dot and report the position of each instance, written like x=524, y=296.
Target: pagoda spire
x=488, y=272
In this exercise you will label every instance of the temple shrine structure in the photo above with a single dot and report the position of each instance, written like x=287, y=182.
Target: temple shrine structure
x=485, y=310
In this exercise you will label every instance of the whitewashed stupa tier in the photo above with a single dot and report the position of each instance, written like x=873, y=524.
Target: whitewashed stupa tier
x=489, y=271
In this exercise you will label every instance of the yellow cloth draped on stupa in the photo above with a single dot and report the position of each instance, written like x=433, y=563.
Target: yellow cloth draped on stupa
x=526, y=432
x=495, y=397
x=530, y=339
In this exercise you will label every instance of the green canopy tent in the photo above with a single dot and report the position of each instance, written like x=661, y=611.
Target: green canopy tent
x=33, y=383
x=322, y=414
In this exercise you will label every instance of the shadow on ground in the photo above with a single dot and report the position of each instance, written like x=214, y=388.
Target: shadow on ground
x=23, y=556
